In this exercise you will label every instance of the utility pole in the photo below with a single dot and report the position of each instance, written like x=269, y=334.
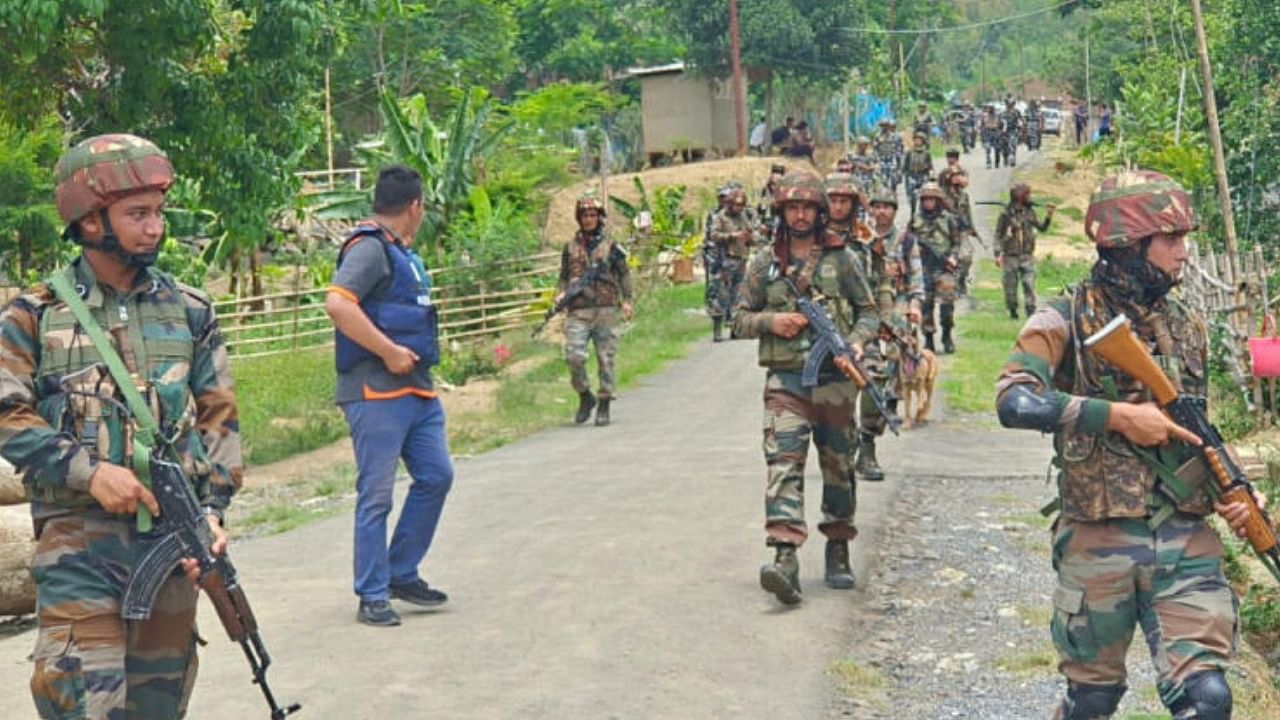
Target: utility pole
x=1088, y=90
x=1215, y=139
x=924, y=59
x=844, y=112
x=1182, y=99
x=1022, y=71
x=739, y=102
x=328, y=122
x=983, y=96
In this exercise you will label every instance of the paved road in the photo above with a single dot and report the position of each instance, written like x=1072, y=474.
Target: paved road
x=594, y=573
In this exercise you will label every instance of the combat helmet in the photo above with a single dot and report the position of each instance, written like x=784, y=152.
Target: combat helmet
x=1019, y=190
x=863, y=140
x=103, y=169
x=1134, y=205
x=839, y=183
x=931, y=190
x=800, y=187
x=881, y=195
x=589, y=200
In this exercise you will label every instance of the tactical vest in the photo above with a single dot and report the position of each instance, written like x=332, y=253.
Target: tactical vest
x=606, y=291
x=824, y=270
x=1020, y=232
x=935, y=232
x=1102, y=475
x=77, y=395
x=402, y=311
x=736, y=247
x=918, y=162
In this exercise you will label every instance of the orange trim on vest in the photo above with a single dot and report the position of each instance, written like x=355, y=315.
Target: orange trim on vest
x=371, y=394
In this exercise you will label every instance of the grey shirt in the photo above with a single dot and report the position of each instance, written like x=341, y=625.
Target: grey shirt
x=365, y=270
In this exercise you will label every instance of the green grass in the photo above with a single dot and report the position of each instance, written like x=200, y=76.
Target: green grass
x=986, y=335
x=286, y=404
x=1042, y=660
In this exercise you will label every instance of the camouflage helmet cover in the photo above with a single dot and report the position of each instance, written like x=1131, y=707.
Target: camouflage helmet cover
x=100, y=170
x=881, y=195
x=863, y=140
x=931, y=190
x=839, y=183
x=1137, y=204
x=800, y=187
x=589, y=201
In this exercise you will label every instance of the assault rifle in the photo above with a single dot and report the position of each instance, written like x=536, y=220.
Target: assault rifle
x=574, y=291
x=999, y=203
x=827, y=341
x=184, y=532
x=1117, y=344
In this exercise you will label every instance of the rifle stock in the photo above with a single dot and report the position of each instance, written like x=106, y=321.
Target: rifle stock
x=1118, y=345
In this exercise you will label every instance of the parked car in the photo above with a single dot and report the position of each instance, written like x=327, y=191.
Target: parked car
x=1052, y=121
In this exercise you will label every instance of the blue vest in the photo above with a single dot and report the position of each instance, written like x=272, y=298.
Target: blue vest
x=402, y=310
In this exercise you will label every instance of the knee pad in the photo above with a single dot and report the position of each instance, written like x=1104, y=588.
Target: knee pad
x=1206, y=696
x=1092, y=702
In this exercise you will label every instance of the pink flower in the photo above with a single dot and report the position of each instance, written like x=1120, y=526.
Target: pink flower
x=501, y=354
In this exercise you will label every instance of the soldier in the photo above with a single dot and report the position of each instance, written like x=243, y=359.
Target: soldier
x=953, y=166
x=1131, y=549
x=968, y=128
x=991, y=135
x=733, y=233
x=63, y=423
x=711, y=257
x=805, y=259
x=764, y=210
x=890, y=152
x=937, y=232
x=955, y=187
x=1016, y=247
x=894, y=270
x=846, y=206
x=594, y=315
x=1034, y=121
x=864, y=163
x=1012, y=121
x=923, y=123
x=917, y=168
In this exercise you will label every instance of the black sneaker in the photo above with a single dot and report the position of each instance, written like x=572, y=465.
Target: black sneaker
x=378, y=613
x=418, y=593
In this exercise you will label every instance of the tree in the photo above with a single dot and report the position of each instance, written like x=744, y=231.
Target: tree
x=583, y=40
x=29, y=223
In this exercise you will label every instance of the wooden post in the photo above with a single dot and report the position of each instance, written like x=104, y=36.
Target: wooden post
x=328, y=122
x=1088, y=90
x=844, y=116
x=1215, y=137
x=1182, y=99
x=739, y=103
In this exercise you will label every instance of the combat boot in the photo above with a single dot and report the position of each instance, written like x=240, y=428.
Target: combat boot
x=948, y=347
x=928, y=342
x=586, y=403
x=839, y=575
x=782, y=576
x=867, y=468
x=1031, y=310
x=602, y=412
x=1013, y=313
x=717, y=330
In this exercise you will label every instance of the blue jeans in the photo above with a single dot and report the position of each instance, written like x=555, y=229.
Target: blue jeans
x=384, y=432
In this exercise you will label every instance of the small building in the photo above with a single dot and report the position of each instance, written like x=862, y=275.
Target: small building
x=685, y=112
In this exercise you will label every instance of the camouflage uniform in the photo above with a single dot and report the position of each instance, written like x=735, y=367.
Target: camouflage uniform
x=890, y=151
x=1012, y=120
x=593, y=317
x=958, y=204
x=864, y=162
x=938, y=234
x=1015, y=248
x=917, y=167
x=1126, y=554
x=991, y=136
x=60, y=416
x=793, y=413
x=727, y=236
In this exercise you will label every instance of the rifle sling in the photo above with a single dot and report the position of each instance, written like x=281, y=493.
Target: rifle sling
x=147, y=429
x=1168, y=485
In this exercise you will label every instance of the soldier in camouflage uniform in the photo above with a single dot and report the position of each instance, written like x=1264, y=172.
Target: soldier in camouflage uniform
x=991, y=137
x=1012, y=121
x=63, y=424
x=733, y=233
x=917, y=168
x=1130, y=549
x=955, y=187
x=593, y=316
x=890, y=151
x=864, y=162
x=816, y=263
x=923, y=123
x=1016, y=247
x=711, y=257
x=937, y=232
x=894, y=270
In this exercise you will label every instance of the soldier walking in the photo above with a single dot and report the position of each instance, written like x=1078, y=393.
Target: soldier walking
x=805, y=259
x=1132, y=545
x=894, y=271
x=1016, y=247
x=1012, y=120
x=937, y=233
x=733, y=233
x=991, y=135
x=711, y=257
x=955, y=186
x=917, y=168
x=889, y=150
x=593, y=316
x=864, y=163
x=64, y=424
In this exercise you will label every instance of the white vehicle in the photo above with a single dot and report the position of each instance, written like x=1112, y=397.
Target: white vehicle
x=1052, y=121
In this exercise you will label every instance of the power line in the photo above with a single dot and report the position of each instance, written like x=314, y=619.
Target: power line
x=957, y=28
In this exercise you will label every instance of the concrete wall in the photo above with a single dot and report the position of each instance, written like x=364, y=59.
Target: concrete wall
x=676, y=112
x=724, y=132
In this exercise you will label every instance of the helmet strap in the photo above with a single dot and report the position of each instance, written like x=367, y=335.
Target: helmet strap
x=110, y=243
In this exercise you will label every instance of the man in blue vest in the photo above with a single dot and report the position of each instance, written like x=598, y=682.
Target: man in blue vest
x=380, y=303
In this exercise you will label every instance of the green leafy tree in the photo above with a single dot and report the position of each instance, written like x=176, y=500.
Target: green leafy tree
x=583, y=40
x=29, y=222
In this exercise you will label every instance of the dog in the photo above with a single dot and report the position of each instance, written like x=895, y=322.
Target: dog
x=917, y=374
x=1063, y=168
